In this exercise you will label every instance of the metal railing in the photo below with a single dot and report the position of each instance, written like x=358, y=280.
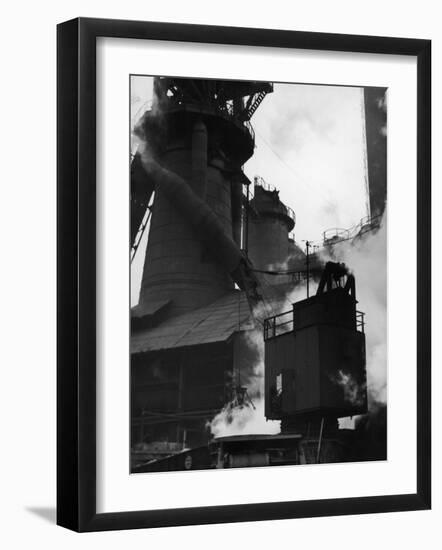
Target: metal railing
x=360, y=321
x=337, y=235
x=261, y=182
x=227, y=111
x=278, y=324
x=290, y=213
x=368, y=224
x=250, y=129
x=285, y=322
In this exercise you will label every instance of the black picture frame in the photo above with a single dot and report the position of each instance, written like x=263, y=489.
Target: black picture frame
x=76, y=273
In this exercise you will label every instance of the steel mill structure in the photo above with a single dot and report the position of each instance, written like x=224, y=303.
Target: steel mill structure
x=220, y=260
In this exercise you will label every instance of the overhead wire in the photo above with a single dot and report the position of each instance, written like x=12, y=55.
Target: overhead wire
x=299, y=178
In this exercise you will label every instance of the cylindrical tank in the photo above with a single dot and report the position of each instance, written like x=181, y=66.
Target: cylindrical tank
x=270, y=222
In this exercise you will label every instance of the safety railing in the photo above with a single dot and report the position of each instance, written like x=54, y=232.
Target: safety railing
x=368, y=224
x=285, y=322
x=336, y=234
x=261, y=182
x=278, y=324
x=291, y=214
x=360, y=321
x=227, y=111
x=249, y=129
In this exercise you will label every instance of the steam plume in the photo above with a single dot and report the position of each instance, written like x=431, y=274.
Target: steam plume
x=366, y=257
x=248, y=419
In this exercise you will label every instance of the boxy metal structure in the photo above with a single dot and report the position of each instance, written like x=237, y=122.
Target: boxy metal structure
x=315, y=357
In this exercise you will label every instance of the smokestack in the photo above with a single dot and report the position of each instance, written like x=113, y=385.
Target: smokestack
x=198, y=144
x=376, y=137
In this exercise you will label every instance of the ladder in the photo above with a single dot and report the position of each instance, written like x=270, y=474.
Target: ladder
x=256, y=102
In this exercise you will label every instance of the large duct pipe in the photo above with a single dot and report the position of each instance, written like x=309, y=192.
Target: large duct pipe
x=199, y=159
x=204, y=221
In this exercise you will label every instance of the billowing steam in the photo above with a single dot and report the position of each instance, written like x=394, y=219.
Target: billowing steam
x=248, y=418
x=353, y=392
x=244, y=420
x=366, y=257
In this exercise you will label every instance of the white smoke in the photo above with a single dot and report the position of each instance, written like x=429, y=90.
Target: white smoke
x=243, y=421
x=249, y=418
x=255, y=341
x=353, y=391
x=300, y=292
x=367, y=259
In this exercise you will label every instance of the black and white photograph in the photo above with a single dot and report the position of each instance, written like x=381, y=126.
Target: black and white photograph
x=258, y=268
x=220, y=233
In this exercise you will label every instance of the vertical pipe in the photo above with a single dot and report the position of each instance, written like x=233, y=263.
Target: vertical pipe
x=246, y=225
x=320, y=441
x=236, y=187
x=307, y=245
x=199, y=159
x=180, y=398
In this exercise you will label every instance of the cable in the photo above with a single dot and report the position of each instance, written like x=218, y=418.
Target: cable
x=279, y=272
x=292, y=170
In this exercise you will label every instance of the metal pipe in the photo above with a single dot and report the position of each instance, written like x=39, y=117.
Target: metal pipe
x=199, y=159
x=204, y=221
x=246, y=226
x=307, y=244
x=320, y=441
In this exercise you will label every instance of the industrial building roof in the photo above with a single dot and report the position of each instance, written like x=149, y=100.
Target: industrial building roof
x=213, y=323
x=149, y=309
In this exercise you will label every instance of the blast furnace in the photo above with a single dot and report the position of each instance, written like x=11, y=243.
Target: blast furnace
x=186, y=330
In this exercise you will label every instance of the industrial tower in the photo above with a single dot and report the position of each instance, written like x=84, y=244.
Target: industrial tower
x=186, y=329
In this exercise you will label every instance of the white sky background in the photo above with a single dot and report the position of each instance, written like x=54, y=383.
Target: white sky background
x=309, y=145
